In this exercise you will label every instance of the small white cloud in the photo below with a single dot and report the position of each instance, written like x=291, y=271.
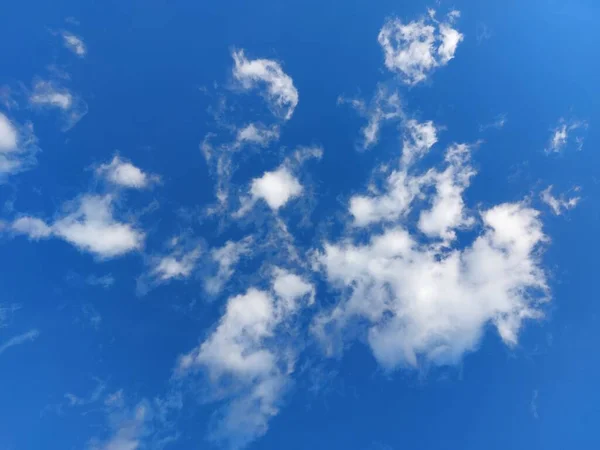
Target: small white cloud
x=414, y=49
x=48, y=94
x=559, y=204
x=177, y=265
x=418, y=139
x=20, y=339
x=90, y=227
x=498, y=123
x=257, y=134
x=33, y=227
x=74, y=43
x=281, y=92
x=123, y=173
x=563, y=135
x=18, y=146
x=276, y=188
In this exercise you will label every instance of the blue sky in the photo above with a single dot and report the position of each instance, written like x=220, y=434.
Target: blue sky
x=299, y=225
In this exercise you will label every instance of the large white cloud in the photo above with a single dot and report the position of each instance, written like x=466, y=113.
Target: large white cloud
x=280, y=90
x=414, y=49
x=244, y=361
x=89, y=225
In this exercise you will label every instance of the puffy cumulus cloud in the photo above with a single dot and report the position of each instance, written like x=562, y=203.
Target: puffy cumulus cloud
x=414, y=49
x=257, y=134
x=384, y=107
x=280, y=90
x=18, y=146
x=74, y=43
x=90, y=227
x=276, y=188
x=123, y=173
x=247, y=359
x=561, y=203
x=565, y=133
x=424, y=304
x=48, y=94
x=226, y=258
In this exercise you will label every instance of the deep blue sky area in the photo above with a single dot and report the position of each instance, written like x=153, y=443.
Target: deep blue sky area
x=111, y=226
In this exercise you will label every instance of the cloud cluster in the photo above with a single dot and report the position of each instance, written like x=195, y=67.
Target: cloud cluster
x=414, y=49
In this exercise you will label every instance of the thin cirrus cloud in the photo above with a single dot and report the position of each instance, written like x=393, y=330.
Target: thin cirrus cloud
x=559, y=204
x=415, y=49
x=89, y=225
x=29, y=336
x=281, y=93
x=567, y=133
x=242, y=362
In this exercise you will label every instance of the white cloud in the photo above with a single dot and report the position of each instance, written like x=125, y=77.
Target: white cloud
x=227, y=257
x=276, y=188
x=498, y=123
x=90, y=227
x=129, y=429
x=418, y=139
x=74, y=43
x=18, y=146
x=244, y=363
x=258, y=134
x=422, y=303
x=414, y=49
x=20, y=339
x=562, y=135
x=281, y=92
x=48, y=94
x=559, y=204
x=177, y=265
x=123, y=173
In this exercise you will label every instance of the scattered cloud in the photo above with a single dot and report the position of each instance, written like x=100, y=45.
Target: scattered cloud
x=226, y=257
x=561, y=203
x=280, y=90
x=258, y=134
x=497, y=124
x=414, y=49
x=276, y=188
x=74, y=43
x=533, y=405
x=29, y=336
x=123, y=173
x=247, y=360
x=104, y=281
x=89, y=225
x=385, y=107
x=49, y=94
x=566, y=133
x=18, y=147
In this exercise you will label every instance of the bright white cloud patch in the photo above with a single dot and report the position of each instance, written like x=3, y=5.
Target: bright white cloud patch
x=275, y=188
x=74, y=43
x=243, y=361
x=559, y=204
x=566, y=133
x=414, y=49
x=280, y=90
x=176, y=265
x=18, y=146
x=123, y=173
x=91, y=227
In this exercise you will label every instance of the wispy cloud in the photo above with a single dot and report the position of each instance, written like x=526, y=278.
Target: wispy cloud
x=29, y=336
